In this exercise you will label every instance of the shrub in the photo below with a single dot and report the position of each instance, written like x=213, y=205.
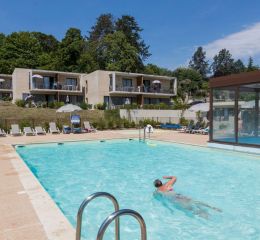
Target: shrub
x=20, y=103
x=25, y=123
x=111, y=124
x=100, y=106
x=184, y=121
x=85, y=106
x=58, y=104
x=101, y=124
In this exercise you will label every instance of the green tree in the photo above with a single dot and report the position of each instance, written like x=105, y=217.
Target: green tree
x=223, y=63
x=128, y=25
x=156, y=70
x=199, y=63
x=19, y=49
x=239, y=66
x=251, y=66
x=118, y=53
x=2, y=38
x=69, y=51
x=189, y=82
x=103, y=26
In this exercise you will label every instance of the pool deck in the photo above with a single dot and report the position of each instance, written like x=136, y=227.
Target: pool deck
x=26, y=209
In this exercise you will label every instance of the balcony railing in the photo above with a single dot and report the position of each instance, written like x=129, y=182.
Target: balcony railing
x=143, y=90
x=6, y=86
x=56, y=87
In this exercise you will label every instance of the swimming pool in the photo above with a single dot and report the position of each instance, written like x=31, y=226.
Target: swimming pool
x=226, y=180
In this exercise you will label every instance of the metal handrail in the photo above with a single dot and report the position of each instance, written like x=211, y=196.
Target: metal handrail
x=86, y=202
x=116, y=215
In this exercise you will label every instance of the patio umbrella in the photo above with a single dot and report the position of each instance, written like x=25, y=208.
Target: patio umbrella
x=68, y=108
x=67, y=99
x=203, y=107
x=37, y=76
x=2, y=80
x=156, y=81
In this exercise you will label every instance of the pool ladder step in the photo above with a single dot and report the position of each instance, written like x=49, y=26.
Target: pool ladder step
x=112, y=217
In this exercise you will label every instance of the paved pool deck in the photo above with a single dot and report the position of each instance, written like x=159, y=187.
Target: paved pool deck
x=27, y=212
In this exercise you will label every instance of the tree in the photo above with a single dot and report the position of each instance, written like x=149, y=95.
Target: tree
x=118, y=53
x=189, y=82
x=69, y=51
x=156, y=70
x=251, y=66
x=199, y=63
x=239, y=67
x=104, y=25
x=223, y=63
x=19, y=49
x=128, y=25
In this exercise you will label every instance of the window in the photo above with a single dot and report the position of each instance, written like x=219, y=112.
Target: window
x=224, y=115
x=71, y=81
x=127, y=83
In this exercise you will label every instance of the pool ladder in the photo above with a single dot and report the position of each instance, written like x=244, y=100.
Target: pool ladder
x=140, y=134
x=113, y=216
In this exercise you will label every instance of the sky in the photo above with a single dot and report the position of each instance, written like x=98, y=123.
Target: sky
x=172, y=28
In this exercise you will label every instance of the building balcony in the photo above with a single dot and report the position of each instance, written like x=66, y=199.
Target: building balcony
x=6, y=86
x=142, y=90
x=55, y=87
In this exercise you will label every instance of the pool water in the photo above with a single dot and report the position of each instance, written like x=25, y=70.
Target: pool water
x=225, y=180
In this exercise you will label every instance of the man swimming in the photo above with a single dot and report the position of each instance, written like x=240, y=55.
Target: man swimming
x=166, y=187
x=166, y=191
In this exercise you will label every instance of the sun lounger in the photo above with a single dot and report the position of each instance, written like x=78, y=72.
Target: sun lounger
x=40, y=131
x=75, y=122
x=28, y=131
x=15, y=130
x=66, y=129
x=88, y=127
x=173, y=126
x=2, y=133
x=53, y=128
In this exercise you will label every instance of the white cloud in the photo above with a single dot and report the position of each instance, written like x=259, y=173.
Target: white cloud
x=241, y=44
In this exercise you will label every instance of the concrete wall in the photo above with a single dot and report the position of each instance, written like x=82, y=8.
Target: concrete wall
x=163, y=116
x=20, y=82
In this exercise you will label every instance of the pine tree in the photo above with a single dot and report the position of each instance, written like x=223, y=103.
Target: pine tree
x=199, y=62
x=251, y=66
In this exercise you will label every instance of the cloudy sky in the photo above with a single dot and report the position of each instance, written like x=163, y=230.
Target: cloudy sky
x=172, y=28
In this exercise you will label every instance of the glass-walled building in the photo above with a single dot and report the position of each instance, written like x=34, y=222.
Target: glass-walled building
x=234, y=109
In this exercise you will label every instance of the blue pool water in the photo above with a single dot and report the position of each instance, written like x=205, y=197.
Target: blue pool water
x=222, y=179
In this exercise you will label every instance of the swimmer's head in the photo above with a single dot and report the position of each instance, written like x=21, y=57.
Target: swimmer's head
x=157, y=183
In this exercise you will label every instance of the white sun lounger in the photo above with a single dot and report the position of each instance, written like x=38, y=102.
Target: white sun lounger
x=88, y=127
x=40, y=131
x=2, y=133
x=28, y=131
x=15, y=130
x=53, y=128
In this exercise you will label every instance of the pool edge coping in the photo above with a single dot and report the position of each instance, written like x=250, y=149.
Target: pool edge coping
x=54, y=222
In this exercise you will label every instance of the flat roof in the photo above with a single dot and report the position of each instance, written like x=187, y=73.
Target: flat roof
x=51, y=71
x=235, y=79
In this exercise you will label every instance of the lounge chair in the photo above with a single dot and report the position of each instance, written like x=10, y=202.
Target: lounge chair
x=28, y=131
x=40, y=131
x=66, y=129
x=173, y=126
x=75, y=122
x=204, y=131
x=53, y=128
x=88, y=127
x=15, y=130
x=2, y=133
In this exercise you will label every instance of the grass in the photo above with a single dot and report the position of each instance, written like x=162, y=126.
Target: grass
x=10, y=114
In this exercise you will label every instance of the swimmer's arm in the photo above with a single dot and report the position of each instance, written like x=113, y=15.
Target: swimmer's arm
x=172, y=180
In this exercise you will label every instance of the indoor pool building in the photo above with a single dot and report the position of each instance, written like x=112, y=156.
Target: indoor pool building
x=235, y=115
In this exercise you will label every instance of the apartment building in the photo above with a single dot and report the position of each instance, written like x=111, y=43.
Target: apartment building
x=113, y=88
x=6, y=89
